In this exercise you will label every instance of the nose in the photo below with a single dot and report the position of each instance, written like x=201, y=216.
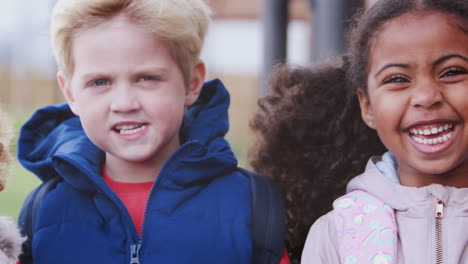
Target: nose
x=124, y=99
x=426, y=95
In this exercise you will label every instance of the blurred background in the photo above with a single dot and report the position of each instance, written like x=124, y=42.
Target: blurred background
x=246, y=39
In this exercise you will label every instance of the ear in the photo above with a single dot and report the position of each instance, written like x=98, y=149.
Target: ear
x=195, y=84
x=65, y=86
x=367, y=113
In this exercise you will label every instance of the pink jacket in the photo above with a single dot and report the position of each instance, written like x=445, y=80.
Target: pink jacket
x=415, y=211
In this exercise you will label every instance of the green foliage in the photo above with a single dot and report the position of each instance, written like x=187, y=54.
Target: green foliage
x=20, y=182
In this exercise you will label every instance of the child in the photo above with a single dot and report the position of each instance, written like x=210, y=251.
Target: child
x=303, y=146
x=10, y=239
x=147, y=174
x=409, y=61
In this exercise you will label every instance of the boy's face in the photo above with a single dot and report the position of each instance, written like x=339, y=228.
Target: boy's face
x=128, y=91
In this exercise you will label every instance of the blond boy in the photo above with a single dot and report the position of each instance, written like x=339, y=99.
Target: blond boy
x=147, y=174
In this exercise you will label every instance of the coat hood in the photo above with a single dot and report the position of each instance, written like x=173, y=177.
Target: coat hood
x=411, y=200
x=53, y=142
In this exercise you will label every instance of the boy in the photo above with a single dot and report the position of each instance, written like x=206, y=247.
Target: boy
x=146, y=179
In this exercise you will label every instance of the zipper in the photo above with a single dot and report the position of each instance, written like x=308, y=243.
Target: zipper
x=438, y=230
x=151, y=194
x=135, y=253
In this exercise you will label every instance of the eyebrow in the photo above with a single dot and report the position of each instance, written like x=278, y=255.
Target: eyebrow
x=391, y=65
x=435, y=63
x=446, y=57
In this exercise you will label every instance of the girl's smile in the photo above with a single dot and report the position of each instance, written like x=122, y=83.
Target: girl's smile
x=417, y=97
x=433, y=137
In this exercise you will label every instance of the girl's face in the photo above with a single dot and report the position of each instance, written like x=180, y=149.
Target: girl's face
x=417, y=97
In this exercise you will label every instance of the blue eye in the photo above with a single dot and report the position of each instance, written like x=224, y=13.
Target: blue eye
x=101, y=82
x=453, y=71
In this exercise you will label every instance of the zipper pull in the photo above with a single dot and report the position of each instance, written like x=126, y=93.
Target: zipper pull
x=135, y=253
x=439, y=209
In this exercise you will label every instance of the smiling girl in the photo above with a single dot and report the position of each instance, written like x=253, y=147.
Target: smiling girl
x=409, y=62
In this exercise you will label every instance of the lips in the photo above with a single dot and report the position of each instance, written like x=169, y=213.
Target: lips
x=432, y=134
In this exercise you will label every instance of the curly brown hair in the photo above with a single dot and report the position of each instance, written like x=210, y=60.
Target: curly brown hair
x=5, y=157
x=311, y=139
x=308, y=130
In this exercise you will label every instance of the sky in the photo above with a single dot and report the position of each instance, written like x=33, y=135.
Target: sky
x=8, y=17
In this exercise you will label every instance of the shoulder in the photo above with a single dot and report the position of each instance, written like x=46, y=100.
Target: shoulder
x=233, y=181
x=64, y=204
x=229, y=190
x=321, y=244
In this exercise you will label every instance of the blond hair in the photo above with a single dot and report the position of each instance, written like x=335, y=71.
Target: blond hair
x=5, y=156
x=182, y=23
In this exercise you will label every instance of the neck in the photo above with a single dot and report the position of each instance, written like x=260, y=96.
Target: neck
x=136, y=171
x=456, y=178
x=131, y=172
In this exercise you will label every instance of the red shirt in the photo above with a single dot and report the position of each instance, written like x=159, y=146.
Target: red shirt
x=285, y=258
x=134, y=196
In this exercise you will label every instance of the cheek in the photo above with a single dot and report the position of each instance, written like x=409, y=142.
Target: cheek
x=388, y=109
x=166, y=111
x=92, y=119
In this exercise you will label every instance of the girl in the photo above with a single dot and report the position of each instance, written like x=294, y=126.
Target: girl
x=409, y=61
x=10, y=240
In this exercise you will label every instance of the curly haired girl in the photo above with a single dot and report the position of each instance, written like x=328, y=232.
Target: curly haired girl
x=408, y=62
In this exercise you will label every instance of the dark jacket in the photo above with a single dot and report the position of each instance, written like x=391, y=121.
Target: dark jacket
x=199, y=210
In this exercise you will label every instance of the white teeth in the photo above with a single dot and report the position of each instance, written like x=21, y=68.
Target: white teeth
x=125, y=127
x=431, y=131
x=433, y=141
x=129, y=129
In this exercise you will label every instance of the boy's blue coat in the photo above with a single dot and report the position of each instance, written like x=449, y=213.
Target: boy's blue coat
x=199, y=210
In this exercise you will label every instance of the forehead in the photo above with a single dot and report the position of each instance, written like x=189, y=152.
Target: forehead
x=118, y=43
x=424, y=33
